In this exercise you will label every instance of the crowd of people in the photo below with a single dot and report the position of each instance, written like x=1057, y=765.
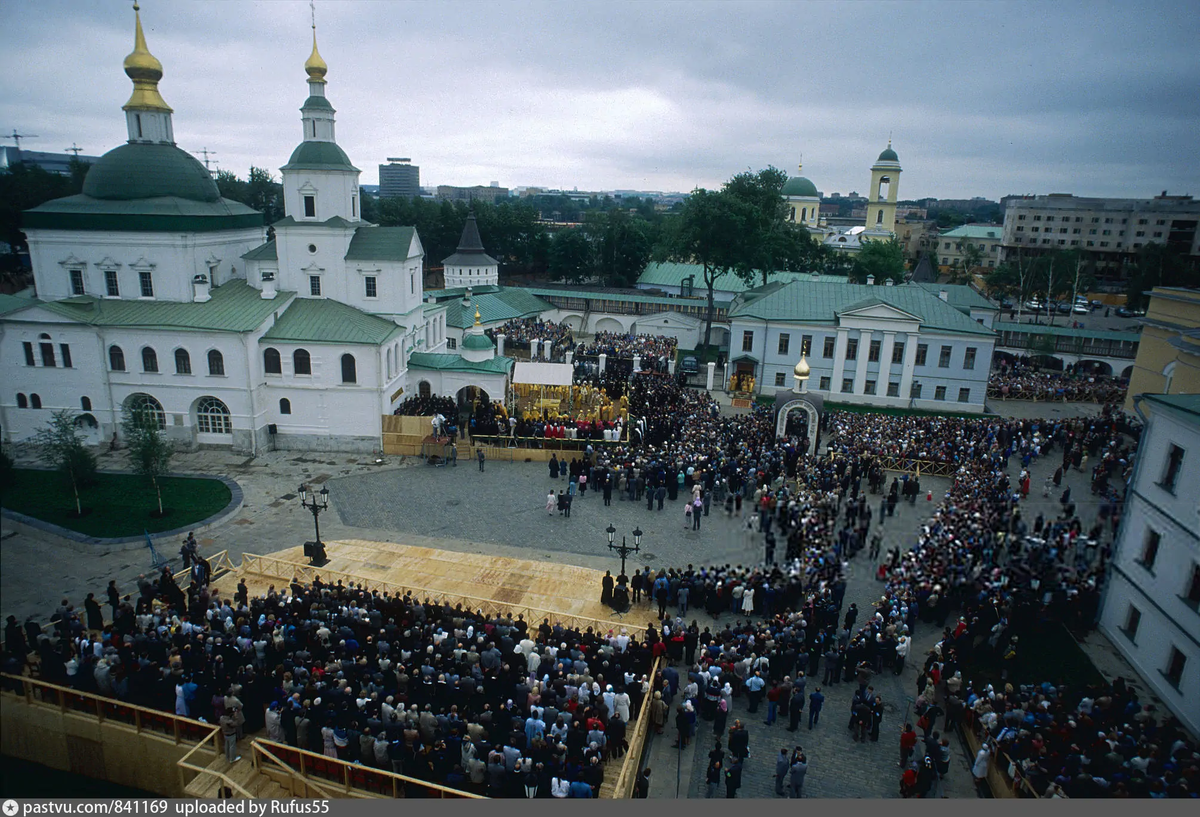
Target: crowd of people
x=655, y=351
x=520, y=332
x=1026, y=382
x=427, y=406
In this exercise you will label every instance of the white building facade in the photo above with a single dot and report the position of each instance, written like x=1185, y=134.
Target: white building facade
x=1151, y=610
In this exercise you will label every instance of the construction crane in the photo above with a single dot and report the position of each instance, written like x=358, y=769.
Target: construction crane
x=17, y=137
x=205, y=152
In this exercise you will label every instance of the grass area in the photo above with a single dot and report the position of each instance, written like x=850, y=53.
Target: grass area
x=897, y=412
x=1047, y=653
x=116, y=504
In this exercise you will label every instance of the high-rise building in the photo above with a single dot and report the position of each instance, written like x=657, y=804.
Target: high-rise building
x=399, y=179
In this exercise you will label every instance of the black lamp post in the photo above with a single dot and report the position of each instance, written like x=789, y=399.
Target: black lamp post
x=623, y=549
x=315, y=502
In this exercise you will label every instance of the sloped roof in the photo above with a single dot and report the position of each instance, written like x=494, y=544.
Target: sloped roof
x=336, y=221
x=924, y=272
x=1186, y=403
x=960, y=295
x=235, y=307
x=992, y=231
x=868, y=302
x=157, y=214
x=672, y=273
x=503, y=305
x=819, y=302
x=319, y=320
x=456, y=363
x=317, y=155
x=477, y=342
x=22, y=299
x=470, y=251
x=380, y=244
x=263, y=252
x=1066, y=331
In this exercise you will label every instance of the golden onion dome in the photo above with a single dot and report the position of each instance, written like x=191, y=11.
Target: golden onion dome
x=314, y=65
x=145, y=70
x=477, y=316
x=802, y=369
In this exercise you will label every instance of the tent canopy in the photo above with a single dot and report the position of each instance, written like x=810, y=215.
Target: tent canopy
x=543, y=374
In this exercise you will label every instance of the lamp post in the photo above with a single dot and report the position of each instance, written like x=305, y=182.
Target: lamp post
x=315, y=502
x=623, y=549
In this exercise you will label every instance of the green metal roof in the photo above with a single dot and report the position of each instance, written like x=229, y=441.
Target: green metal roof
x=975, y=231
x=477, y=342
x=818, y=302
x=319, y=320
x=235, y=307
x=799, y=186
x=960, y=295
x=319, y=156
x=263, y=252
x=139, y=170
x=888, y=155
x=380, y=244
x=458, y=292
x=164, y=214
x=317, y=102
x=1066, y=331
x=590, y=295
x=673, y=273
x=434, y=361
x=1185, y=403
x=11, y=303
x=336, y=221
x=494, y=307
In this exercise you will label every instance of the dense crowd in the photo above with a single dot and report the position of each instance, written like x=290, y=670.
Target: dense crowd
x=655, y=351
x=1022, y=382
x=428, y=406
x=521, y=331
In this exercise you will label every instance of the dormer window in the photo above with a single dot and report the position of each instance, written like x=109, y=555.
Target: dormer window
x=310, y=206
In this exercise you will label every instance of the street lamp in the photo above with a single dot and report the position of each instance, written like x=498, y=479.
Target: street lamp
x=623, y=549
x=315, y=502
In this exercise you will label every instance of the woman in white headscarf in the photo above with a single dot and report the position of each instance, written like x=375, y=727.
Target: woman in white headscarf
x=748, y=601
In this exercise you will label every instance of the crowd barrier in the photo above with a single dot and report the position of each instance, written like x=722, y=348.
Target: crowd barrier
x=1075, y=393
x=632, y=767
x=1004, y=776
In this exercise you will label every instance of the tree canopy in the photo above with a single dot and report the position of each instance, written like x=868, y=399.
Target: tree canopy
x=881, y=259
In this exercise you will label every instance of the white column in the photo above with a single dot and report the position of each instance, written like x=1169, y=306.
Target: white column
x=885, y=362
x=637, y=363
x=910, y=362
x=570, y=358
x=839, y=362
x=864, y=352
x=535, y=349
x=603, y=361
x=548, y=346
x=500, y=345
x=671, y=367
x=712, y=372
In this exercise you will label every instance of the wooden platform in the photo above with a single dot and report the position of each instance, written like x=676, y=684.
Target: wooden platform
x=536, y=590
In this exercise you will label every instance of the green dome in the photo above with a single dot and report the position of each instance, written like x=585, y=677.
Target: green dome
x=319, y=156
x=477, y=342
x=888, y=155
x=800, y=186
x=146, y=171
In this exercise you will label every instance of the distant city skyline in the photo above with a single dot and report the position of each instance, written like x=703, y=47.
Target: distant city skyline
x=1095, y=99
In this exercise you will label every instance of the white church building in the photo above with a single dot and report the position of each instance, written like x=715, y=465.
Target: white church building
x=153, y=291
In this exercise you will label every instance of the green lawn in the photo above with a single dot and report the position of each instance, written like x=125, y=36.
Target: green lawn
x=116, y=504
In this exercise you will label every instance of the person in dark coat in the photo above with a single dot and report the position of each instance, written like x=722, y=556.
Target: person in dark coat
x=606, y=588
x=733, y=777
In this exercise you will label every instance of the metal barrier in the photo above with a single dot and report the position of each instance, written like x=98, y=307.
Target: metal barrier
x=285, y=570
x=1066, y=392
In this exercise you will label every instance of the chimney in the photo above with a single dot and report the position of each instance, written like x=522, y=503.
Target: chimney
x=944, y=295
x=200, y=288
x=889, y=282
x=816, y=276
x=268, y=286
x=870, y=280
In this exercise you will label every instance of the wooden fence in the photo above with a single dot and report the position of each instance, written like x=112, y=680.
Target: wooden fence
x=632, y=767
x=1003, y=774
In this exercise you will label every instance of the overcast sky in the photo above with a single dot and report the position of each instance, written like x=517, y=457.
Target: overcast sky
x=981, y=99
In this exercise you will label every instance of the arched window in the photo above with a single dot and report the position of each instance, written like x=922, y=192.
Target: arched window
x=183, y=362
x=301, y=362
x=349, y=370
x=149, y=360
x=285, y=405
x=144, y=408
x=212, y=417
x=116, y=359
x=216, y=363
x=271, y=362
x=423, y=388
x=879, y=217
x=47, y=349
x=22, y=401
x=804, y=214
x=85, y=403
x=35, y=401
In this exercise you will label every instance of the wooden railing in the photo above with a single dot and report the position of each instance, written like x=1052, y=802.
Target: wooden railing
x=1002, y=783
x=544, y=443
x=298, y=785
x=632, y=767
x=185, y=765
x=286, y=571
x=354, y=779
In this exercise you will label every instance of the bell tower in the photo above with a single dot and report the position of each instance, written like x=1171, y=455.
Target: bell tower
x=884, y=191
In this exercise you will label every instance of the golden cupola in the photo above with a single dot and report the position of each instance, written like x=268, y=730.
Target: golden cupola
x=802, y=370
x=314, y=66
x=145, y=70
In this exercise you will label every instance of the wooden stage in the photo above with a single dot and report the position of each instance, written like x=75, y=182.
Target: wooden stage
x=537, y=590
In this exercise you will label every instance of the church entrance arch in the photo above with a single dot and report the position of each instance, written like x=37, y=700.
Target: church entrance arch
x=470, y=398
x=799, y=418
x=87, y=424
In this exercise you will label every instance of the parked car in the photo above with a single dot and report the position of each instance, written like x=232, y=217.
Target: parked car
x=1097, y=304
x=690, y=366
x=1007, y=303
x=1082, y=309
x=1034, y=305
x=1124, y=312
x=1064, y=308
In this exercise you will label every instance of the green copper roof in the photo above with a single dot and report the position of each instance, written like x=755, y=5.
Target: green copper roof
x=597, y=298
x=799, y=186
x=314, y=102
x=888, y=155
x=495, y=307
x=1186, y=403
x=147, y=171
x=263, y=252
x=454, y=363
x=1066, y=331
x=992, y=231
x=672, y=274
x=318, y=320
x=169, y=214
x=819, y=302
x=477, y=342
x=319, y=156
x=235, y=307
x=380, y=244
x=960, y=296
x=336, y=221
x=11, y=303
